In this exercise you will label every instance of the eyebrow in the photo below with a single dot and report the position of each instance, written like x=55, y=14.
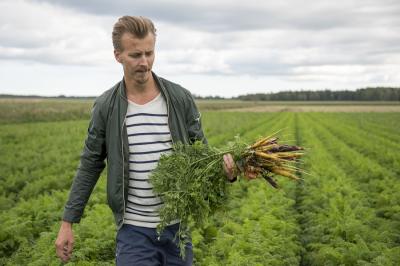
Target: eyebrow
x=140, y=52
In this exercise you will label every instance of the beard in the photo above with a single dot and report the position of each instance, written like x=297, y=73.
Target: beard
x=139, y=76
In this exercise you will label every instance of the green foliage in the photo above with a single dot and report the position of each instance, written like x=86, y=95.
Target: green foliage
x=340, y=202
x=38, y=158
x=346, y=212
x=192, y=184
x=258, y=228
x=22, y=224
x=94, y=242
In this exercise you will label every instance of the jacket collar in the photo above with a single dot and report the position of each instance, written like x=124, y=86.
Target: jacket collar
x=122, y=87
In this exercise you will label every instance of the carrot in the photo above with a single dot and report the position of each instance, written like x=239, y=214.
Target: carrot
x=258, y=143
x=289, y=154
x=282, y=172
x=269, y=147
x=271, y=181
x=266, y=155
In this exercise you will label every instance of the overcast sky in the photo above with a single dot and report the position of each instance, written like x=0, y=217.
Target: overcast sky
x=224, y=48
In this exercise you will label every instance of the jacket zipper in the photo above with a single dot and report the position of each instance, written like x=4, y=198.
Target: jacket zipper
x=169, y=126
x=123, y=169
x=163, y=92
x=123, y=164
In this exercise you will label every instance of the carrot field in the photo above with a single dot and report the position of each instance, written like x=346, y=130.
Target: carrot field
x=345, y=211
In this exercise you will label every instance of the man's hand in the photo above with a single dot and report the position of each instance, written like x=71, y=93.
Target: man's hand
x=231, y=169
x=65, y=242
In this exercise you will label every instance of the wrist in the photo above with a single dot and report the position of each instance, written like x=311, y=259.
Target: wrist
x=66, y=225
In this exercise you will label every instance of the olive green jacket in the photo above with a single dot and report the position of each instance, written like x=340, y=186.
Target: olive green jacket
x=107, y=139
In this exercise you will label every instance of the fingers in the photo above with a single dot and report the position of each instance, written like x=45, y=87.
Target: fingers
x=68, y=249
x=64, y=245
x=64, y=252
x=229, y=166
x=251, y=175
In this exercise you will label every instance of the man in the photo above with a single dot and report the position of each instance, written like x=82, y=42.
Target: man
x=131, y=125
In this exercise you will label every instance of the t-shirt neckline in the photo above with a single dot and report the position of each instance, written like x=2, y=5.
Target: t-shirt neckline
x=155, y=99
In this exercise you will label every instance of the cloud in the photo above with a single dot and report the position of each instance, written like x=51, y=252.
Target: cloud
x=347, y=42
x=228, y=15
x=50, y=34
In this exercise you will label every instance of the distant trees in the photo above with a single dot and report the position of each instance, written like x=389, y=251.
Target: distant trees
x=366, y=94
x=199, y=97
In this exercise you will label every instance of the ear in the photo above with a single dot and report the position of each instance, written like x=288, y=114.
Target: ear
x=117, y=55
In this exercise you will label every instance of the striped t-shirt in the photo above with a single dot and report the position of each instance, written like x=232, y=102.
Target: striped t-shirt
x=148, y=137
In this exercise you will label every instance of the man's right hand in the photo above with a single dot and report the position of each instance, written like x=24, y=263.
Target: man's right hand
x=65, y=242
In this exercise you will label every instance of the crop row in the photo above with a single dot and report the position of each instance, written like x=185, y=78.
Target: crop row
x=221, y=127
x=378, y=148
x=340, y=223
x=34, y=221
x=373, y=178
x=94, y=242
x=345, y=212
x=37, y=158
x=385, y=126
x=260, y=224
x=385, y=122
x=27, y=220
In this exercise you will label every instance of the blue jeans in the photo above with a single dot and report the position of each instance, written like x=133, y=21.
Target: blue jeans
x=140, y=246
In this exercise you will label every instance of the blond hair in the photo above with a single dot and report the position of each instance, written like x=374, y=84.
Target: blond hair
x=139, y=27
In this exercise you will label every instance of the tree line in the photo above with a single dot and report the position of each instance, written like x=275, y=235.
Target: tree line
x=365, y=94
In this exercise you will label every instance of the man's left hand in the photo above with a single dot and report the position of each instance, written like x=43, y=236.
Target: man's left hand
x=230, y=167
x=232, y=171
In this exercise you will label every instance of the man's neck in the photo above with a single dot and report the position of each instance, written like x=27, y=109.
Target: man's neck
x=141, y=93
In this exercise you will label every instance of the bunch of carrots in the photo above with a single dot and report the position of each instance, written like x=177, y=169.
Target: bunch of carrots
x=192, y=183
x=267, y=157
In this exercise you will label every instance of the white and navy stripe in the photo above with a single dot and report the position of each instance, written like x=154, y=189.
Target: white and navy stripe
x=149, y=137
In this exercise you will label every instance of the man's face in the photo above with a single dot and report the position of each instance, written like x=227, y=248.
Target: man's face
x=137, y=57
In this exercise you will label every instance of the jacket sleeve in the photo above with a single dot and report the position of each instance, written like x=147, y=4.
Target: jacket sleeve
x=90, y=167
x=193, y=122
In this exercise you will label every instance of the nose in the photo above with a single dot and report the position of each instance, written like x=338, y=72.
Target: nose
x=143, y=60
